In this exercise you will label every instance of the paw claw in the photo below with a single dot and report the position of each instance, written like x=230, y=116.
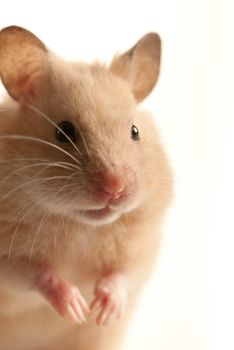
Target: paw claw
x=78, y=311
x=64, y=297
x=110, y=299
x=96, y=304
x=72, y=315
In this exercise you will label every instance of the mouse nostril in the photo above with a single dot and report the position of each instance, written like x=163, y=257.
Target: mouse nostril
x=113, y=193
x=113, y=185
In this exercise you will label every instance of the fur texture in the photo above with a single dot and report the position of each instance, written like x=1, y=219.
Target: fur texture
x=51, y=200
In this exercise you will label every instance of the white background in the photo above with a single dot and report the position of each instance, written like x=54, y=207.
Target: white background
x=188, y=303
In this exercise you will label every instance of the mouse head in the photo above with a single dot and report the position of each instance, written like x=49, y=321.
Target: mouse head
x=78, y=134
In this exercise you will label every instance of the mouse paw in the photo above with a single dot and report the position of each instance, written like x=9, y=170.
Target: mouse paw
x=63, y=297
x=110, y=299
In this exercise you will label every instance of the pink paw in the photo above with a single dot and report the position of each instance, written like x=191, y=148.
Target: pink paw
x=110, y=299
x=64, y=297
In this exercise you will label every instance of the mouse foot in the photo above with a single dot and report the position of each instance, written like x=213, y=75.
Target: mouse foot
x=65, y=298
x=110, y=298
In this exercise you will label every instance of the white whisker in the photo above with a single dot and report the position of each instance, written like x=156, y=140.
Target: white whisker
x=31, y=208
x=37, y=160
x=46, y=166
x=56, y=233
x=83, y=139
x=44, y=220
x=30, y=182
x=35, y=139
x=16, y=231
x=55, y=125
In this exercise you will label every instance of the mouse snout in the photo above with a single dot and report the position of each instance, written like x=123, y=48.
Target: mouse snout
x=111, y=185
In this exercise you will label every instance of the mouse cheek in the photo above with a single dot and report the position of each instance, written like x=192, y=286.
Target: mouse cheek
x=132, y=185
x=131, y=197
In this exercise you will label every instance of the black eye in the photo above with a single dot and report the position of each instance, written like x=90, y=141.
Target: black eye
x=69, y=130
x=135, y=133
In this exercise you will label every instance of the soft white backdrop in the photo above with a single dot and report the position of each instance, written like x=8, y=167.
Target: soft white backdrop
x=188, y=302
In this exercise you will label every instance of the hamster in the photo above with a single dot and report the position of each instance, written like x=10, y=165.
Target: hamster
x=85, y=183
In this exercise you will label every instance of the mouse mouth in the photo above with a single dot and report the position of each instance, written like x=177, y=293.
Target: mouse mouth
x=98, y=214
x=101, y=216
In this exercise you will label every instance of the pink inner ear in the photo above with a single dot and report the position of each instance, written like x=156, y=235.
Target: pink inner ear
x=24, y=63
x=22, y=86
x=25, y=85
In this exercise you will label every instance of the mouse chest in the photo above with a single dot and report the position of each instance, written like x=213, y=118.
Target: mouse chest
x=99, y=251
x=91, y=252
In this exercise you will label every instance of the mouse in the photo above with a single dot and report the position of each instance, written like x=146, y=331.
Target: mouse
x=85, y=184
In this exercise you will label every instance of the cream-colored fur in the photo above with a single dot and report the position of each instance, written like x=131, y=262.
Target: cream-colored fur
x=37, y=218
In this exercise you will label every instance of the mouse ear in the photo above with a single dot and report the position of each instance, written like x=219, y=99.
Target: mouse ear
x=23, y=63
x=140, y=65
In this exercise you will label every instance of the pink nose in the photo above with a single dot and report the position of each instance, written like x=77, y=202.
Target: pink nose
x=113, y=185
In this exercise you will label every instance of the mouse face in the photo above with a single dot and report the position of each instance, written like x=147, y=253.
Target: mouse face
x=91, y=118
x=78, y=138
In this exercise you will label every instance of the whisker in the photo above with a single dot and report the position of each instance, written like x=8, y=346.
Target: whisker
x=16, y=231
x=74, y=166
x=32, y=181
x=56, y=234
x=84, y=141
x=171, y=117
x=44, y=220
x=65, y=227
x=37, y=160
x=55, y=125
x=35, y=139
x=47, y=165
x=31, y=208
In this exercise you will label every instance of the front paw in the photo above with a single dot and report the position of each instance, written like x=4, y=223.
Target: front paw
x=65, y=298
x=110, y=298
